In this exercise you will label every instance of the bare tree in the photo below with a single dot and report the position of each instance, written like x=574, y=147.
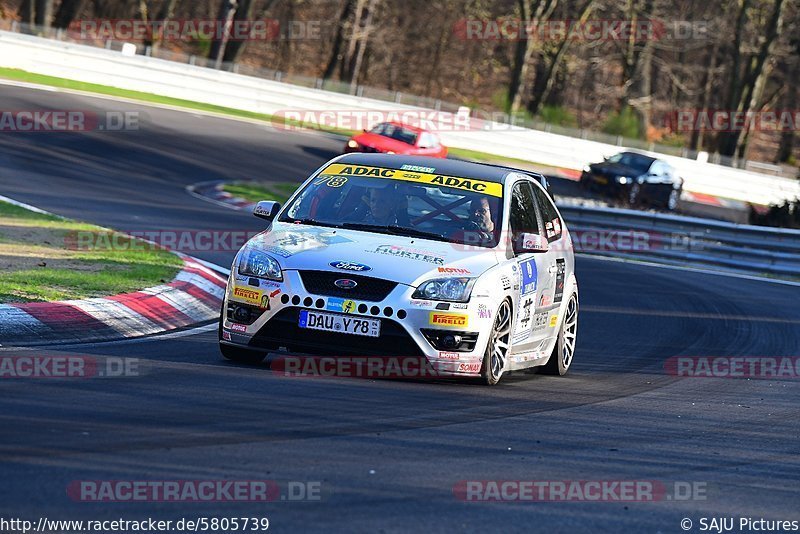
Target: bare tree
x=336, y=56
x=68, y=11
x=225, y=14
x=531, y=13
x=745, y=87
x=546, y=77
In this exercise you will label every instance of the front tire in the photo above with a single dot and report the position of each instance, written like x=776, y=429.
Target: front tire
x=496, y=355
x=560, y=360
x=635, y=195
x=235, y=354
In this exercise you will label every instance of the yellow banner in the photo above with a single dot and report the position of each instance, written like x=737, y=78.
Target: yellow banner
x=467, y=184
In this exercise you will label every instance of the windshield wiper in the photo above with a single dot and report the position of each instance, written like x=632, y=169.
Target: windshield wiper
x=313, y=222
x=395, y=229
x=413, y=232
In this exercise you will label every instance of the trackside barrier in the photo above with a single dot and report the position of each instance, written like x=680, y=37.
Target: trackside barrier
x=190, y=82
x=676, y=239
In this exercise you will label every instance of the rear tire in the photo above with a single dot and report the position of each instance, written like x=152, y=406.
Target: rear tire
x=672, y=199
x=560, y=360
x=584, y=182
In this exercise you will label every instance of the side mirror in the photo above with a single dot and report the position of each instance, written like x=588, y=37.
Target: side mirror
x=267, y=209
x=534, y=243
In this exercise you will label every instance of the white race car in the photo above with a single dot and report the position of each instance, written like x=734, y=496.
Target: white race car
x=468, y=266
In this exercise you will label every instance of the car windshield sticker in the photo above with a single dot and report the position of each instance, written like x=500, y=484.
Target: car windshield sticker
x=333, y=181
x=468, y=184
x=417, y=168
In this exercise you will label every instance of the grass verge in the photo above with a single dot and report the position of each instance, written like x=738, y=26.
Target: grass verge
x=46, y=258
x=255, y=191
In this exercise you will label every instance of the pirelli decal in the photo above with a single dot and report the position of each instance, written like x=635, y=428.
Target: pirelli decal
x=468, y=184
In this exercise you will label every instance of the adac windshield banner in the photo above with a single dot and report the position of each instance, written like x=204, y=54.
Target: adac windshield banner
x=467, y=184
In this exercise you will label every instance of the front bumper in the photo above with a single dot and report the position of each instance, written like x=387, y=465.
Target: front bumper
x=409, y=327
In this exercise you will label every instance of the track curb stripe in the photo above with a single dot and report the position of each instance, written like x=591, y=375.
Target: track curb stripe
x=192, y=298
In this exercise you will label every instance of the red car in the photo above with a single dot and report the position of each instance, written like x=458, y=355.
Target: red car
x=397, y=138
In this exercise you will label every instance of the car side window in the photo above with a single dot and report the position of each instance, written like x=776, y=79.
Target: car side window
x=427, y=140
x=523, y=212
x=552, y=222
x=658, y=168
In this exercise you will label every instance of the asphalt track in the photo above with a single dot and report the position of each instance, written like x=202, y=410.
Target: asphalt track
x=388, y=453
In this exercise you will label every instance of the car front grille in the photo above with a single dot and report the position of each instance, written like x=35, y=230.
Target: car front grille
x=283, y=331
x=367, y=288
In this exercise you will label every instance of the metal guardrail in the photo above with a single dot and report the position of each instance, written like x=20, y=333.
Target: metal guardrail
x=682, y=240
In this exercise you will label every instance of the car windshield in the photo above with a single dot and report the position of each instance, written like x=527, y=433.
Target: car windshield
x=635, y=161
x=396, y=132
x=401, y=202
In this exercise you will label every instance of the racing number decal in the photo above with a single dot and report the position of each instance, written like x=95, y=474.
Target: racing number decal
x=333, y=181
x=560, y=273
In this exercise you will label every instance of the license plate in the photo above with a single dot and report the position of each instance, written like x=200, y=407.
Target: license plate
x=601, y=179
x=342, y=324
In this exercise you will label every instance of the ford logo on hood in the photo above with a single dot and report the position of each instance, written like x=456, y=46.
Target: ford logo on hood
x=345, y=283
x=350, y=266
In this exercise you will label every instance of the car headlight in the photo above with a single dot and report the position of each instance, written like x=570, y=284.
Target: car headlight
x=352, y=143
x=622, y=179
x=586, y=168
x=449, y=289
x=255, y=263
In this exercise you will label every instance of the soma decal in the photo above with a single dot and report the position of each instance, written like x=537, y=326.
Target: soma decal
x=467, y=184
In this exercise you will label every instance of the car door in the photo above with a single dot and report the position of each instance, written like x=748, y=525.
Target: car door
x=551, y=294
x=533, y=270
x=427, y=145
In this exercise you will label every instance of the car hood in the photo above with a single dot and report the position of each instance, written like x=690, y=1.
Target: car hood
x=382, y=143
x=397, y=258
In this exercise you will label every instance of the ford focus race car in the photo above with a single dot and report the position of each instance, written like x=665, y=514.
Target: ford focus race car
x=467, y=266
